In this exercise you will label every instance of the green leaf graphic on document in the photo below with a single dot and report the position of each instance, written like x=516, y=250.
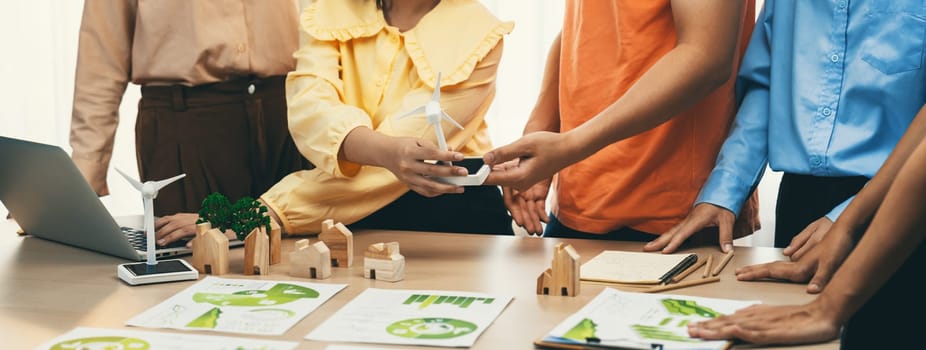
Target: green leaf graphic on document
x=431, y=328
x=103, y=343
x=281, y=293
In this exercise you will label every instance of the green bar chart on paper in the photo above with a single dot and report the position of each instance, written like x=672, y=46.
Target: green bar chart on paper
x=462, y=302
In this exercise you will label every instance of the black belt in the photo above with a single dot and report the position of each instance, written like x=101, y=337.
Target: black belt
x=180, y=97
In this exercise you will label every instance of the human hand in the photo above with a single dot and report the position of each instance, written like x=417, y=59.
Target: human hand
x=528, y=208
x=173, y=227
x=701, y=216
x=407, y=160
x=765, y=324
x=808, y=238
x=816, y=266
x=540, y=155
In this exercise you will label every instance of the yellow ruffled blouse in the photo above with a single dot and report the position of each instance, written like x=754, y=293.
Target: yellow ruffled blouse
x=354, y=69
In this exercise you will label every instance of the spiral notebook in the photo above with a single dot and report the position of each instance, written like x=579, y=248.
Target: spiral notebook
x=622, y=267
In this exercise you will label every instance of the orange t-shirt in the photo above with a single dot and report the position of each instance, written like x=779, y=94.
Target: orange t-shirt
x=647, y=182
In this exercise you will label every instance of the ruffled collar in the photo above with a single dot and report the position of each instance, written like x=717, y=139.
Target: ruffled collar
x=450, y=39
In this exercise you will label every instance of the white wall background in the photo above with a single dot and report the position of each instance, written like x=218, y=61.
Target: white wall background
x=39, y=38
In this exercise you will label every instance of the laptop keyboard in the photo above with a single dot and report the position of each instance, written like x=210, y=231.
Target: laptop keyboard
x=139, y=239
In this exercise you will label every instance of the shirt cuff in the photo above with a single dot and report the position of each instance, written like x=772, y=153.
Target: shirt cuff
x=726, y=190
x=333, y=140
x=837, y=211
x=284, y=221
x=94, y=168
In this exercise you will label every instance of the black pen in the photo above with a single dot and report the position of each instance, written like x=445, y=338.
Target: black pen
x=686, y=263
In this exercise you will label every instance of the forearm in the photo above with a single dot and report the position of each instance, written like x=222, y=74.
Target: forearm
x=681, y=78
x=545, y=116
x=702, y=60
x=860, y=211
x=366, y=147
x=895, y=232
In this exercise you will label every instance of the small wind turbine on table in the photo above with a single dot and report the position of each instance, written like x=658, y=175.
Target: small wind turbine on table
x=433, y=111
x=435, y=114
x=149, y=191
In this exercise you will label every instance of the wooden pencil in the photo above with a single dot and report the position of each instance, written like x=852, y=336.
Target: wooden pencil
x=723, y=263
x=689, y=270
x=681, y=285
x=707, y=269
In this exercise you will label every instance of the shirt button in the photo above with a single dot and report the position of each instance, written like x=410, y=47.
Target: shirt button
x=242, y=48
x=842, y=4
x=834, y=58
x=251, y=89
x=827, y=111
x=815, y=161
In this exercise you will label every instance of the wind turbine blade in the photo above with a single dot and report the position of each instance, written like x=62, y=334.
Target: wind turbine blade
x=132, y=181
x=416, y=111
x=160, y=184
x=436, y=96
x=449, y=119
x=441, y=140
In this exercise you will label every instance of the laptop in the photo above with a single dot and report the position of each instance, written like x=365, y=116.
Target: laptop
x=50, y=199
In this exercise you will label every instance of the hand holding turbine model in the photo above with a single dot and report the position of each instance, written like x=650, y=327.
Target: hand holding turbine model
x=435, y=115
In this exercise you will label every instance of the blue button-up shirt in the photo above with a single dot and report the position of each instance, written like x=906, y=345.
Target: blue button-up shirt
x=827, y=88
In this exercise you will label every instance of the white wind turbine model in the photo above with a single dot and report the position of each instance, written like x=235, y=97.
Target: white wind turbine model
x=149, y=191
x=435, y=114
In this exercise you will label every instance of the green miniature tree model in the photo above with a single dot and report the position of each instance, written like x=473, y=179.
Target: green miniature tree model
x=217, y=211
x=242, y=217
x=248, y=214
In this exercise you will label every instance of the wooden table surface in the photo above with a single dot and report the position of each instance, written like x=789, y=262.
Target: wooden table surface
x=47, y=289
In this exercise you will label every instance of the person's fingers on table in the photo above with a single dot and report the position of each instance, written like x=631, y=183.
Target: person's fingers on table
x=663, y=239
x=687, y=229
x=754, y=272
x=798, y=241
x=822, y=276
x=701, y=216
x=781, y=270
x=821, y=229
x=726, y=236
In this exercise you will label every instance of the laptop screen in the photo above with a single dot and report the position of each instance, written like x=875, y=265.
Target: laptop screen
x=49, y=198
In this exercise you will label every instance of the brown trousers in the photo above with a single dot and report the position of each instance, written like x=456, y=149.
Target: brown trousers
x=230, y=137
